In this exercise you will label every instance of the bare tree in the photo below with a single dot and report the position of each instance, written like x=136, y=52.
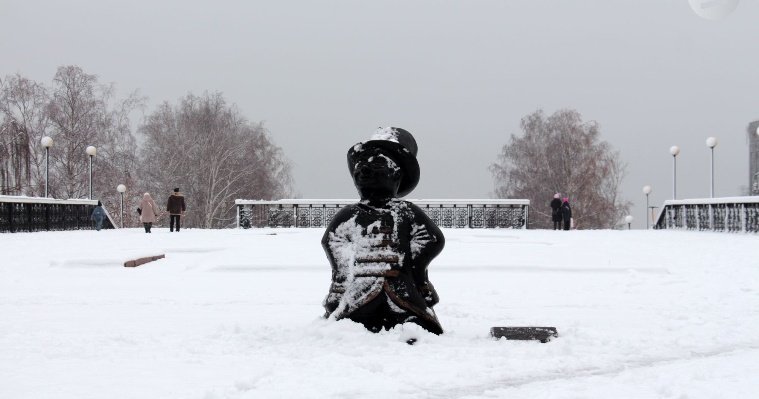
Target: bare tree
x=23, y=122
x=83, y=112
x=215, y=155
x=561, y=153
x=202, y=145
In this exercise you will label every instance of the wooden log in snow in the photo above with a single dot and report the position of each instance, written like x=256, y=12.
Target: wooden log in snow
x=142, y=261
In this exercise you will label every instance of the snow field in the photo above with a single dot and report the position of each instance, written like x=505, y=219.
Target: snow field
x=235, y=314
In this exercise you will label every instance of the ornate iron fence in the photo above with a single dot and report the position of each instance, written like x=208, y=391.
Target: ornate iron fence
x=18, y=214
x=733, y=214
x=445, y=213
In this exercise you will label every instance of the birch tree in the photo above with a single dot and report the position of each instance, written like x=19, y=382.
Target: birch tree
x=84, y=112
x=23, y=122
x=562, y=153
x=214, y=155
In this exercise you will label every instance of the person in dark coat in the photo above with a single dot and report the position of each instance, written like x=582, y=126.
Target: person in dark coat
x=556, y=211
x=176, y=208
x=566, y=213
x=380, y=247
x=98, y=216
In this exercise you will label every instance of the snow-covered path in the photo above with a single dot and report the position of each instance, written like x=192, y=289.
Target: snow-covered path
x=235, y=314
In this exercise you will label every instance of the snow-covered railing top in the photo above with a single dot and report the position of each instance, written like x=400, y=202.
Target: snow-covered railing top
x=415, y=201
x=726, y=214
x=27, y=214
x=42, y=200
x=447, y=213
x=721, y=200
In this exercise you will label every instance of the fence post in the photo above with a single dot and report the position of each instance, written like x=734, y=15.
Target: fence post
x=11, y=225
x=28, y=212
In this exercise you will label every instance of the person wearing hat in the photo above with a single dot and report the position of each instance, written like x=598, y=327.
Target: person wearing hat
x=176, y=208
x=380, y=247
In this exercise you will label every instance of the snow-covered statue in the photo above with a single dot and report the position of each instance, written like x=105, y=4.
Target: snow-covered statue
x=379, y=248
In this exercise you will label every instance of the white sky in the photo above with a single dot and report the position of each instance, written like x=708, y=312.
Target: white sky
x=458, y=75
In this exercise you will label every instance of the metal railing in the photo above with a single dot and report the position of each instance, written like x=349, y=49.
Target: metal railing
x=732, y=214
x=459, y=213
x=28, y=214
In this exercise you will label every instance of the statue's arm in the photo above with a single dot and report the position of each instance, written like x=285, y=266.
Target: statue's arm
x=427, y=241
x=331, y=236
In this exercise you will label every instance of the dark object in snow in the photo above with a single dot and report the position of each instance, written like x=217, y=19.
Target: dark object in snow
x=139, y=211
x=379, y=248
x=142, y=261
x=542, y=334
x=411, y=341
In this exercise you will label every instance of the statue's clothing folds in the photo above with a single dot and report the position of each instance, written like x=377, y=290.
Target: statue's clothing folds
x=380, y=253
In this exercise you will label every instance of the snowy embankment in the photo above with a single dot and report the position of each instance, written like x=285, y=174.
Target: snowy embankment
x=235, y=314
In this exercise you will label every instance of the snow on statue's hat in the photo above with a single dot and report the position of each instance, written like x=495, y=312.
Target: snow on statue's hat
x=400, y=146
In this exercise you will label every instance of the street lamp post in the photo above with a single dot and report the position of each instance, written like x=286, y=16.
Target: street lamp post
x=91, y=151
x=647, y=191
x=674, y=150
x=628, y=220
x=121, y=188
x=711, y=142
x=47, y=142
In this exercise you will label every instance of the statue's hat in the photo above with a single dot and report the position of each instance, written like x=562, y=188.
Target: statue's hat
x=400, y=146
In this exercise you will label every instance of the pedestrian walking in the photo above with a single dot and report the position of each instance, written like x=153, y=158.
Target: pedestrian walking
x=98, y=216
x=176, y=208
x=148, y=212
x=566, y=213
x=556, y=211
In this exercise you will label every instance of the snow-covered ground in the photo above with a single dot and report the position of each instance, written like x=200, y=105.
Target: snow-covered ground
x=236, y=314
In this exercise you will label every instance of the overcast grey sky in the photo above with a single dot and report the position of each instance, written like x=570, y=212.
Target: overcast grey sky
x=458, y=74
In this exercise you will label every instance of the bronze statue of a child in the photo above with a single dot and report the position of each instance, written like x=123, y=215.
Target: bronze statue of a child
x=379, y=248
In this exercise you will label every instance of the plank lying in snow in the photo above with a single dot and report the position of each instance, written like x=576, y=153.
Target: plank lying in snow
x=142, y=261
x=542, y=334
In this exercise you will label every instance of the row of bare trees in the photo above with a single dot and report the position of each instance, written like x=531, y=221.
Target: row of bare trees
x=562, y=153
x=202, y=145
x=208, y=149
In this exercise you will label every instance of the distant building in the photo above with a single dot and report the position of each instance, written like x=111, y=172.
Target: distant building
x=753, y=157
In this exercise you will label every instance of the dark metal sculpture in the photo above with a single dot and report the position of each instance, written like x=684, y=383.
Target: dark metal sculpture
x=380, y=247
x=542, y=334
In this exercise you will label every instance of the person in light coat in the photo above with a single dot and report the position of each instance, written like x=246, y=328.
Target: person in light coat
x=149, y=212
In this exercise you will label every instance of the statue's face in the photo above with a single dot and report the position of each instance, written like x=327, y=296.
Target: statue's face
x=376, y=175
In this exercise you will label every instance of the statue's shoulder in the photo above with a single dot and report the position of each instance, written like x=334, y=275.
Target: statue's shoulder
x=410, y=207
x=348, y=210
